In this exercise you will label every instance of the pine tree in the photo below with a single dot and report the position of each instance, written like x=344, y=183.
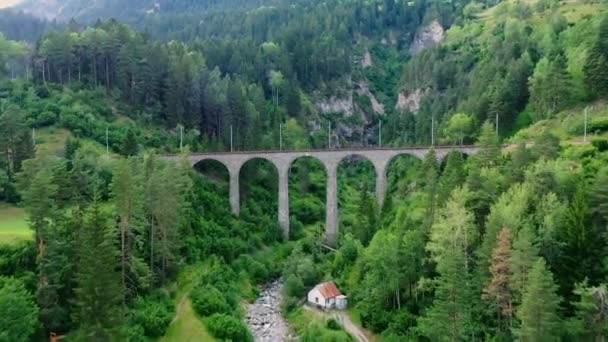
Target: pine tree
x=450, y=318
x=428, y=175
x=489, y=143
x=550, y=86
x=598, y=195
x=538, y=313
x=98, y=293
x=129, y=144
x=522, y=258
x=367, y=221
x=519, y=161
x=590, y=322
x=596, y=65
x=12, y=128
x=498, y=291
x=127, y=193
x=452, y=176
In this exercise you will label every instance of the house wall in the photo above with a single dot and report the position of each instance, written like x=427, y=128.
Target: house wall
x=315, y=293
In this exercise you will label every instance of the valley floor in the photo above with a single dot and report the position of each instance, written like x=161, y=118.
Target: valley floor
x=13, y=224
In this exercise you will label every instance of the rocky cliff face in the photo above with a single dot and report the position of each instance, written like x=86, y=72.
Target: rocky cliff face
x=409, y=100
x=335, y=104
x=363, y=90
x=430, y=35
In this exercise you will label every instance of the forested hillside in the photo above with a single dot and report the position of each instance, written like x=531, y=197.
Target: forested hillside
x=508, y=244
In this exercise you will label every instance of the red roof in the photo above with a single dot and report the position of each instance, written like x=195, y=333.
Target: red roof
x=329, y=289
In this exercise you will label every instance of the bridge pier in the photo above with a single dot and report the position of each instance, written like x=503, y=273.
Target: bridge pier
x=235, y=205
x=284, y=200
x=331, y=204
x=380, y=157
x=380, y=183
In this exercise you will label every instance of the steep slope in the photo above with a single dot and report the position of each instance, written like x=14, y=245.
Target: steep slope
x=517, y=62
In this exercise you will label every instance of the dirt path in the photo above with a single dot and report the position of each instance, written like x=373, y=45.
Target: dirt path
x=180, y=306
x=344, y=320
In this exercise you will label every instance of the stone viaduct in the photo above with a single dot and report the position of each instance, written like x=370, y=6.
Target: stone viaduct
x=282, y=160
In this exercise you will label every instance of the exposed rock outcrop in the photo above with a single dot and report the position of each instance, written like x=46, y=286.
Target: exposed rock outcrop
x=363, y=90
x=337, y=105
x=430, y=35
x=409, y=100
x=367, y=59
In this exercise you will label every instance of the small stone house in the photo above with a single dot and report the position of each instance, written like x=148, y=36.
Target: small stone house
x=327, y=296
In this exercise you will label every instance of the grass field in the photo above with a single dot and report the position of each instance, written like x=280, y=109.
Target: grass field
x=187, y=326
x=13, y=224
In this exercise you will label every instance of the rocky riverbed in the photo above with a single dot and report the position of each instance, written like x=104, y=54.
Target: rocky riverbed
x=264, y=315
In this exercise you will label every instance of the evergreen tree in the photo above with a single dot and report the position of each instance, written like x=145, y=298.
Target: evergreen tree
x=598, y=195
x=451, y=316
x=546, y=146
x=522, y=258
x=498, y=291
x=13, y=134
x=539, y=311
x=453, y=175
x=520, y=158
x=129, y=145
x=596, y=65
x=428, y=175
x=489, y=154
x=18, y=312
x=366, y=222
x=98, y=294
x=590, y=322
x=127, y=193
x=550, y=86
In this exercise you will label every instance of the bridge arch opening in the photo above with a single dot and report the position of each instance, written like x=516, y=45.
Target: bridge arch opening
x=402, y=172
x=357, y=203
x=307, y=196
x=258, y=194
x=216, y=174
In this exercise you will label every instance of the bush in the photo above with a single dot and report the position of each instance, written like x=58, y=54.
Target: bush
x=294, y=287
x=153, y=313
x=332, y=324
x=228, y=328
x=208, y=300
x=289, y=304
x=600, y=144
x=598, y=126
x=18, y=311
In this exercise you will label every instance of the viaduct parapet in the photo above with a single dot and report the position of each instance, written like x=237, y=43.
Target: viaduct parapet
x=282, y=160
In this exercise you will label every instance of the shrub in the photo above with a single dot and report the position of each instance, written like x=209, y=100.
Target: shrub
x=153, y=313
x=294, y=287
x=289, y=304
x=16, y=302
x=332, y=324
x=600, y=144
x=598, y=126
x=228, y=328
x=208, y=300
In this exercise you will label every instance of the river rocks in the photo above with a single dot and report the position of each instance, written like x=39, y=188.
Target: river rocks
x=264, y=316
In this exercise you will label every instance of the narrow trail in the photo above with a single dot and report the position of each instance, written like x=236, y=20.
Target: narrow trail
x=180, y=306
x=344, y=320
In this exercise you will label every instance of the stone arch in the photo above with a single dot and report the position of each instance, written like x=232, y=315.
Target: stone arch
x=213, y=169
x=392, y=176
x=314, y=191
x=353, y=172
x=210, y=159
x=254, y=165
